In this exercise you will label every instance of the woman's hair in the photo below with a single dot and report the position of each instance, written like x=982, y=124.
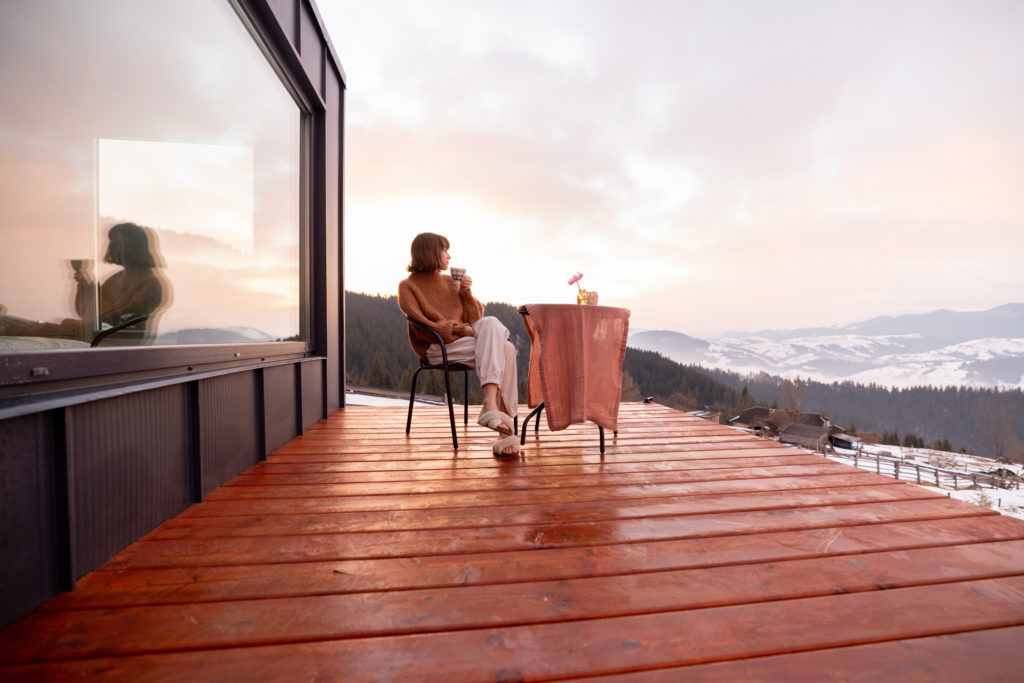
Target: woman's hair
x=129, y=247
x=426, y=252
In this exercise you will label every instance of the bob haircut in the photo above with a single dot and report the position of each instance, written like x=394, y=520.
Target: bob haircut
x=129, y=247
x=426, y=252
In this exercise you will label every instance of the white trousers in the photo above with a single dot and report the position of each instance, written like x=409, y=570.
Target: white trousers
x=491, y=354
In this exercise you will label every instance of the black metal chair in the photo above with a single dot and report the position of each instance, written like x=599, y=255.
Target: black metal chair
x=446, y=368
x=130, y=324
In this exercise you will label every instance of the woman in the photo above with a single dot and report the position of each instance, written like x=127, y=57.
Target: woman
x=131, y=292
x=450, y=309
x=134, y=291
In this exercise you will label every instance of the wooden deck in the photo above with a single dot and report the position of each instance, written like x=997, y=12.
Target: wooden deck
x=690, y=551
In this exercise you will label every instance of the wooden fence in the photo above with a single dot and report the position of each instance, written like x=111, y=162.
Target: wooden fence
x=927, y=474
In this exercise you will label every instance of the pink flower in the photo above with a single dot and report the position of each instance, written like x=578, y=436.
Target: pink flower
x=575, y=278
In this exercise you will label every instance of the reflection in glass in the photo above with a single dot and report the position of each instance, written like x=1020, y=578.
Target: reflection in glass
x=129, y=302
x=181, y=129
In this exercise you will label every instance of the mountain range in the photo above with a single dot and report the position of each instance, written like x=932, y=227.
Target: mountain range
x=981, y=349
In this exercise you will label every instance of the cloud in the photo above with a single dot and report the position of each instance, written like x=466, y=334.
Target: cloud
x=687, y=155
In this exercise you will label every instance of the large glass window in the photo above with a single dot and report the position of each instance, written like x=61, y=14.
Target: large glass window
x=150, y=178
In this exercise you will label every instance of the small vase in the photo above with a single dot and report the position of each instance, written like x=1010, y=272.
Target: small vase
x=581, y=296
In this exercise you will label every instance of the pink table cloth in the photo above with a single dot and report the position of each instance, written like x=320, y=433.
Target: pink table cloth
x=576, y=362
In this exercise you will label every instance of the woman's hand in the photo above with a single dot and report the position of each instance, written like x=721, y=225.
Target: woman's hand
x=466, y=282
x=470, y=332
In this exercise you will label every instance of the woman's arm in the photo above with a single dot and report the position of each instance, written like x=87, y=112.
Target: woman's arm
x=409, y=302
x=472, y=310
x=85, y=297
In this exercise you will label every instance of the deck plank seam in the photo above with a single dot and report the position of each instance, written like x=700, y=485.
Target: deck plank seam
x=522, y=486
x=499, y=525
x=246, y=499
x=115, y=565
x=603, y=575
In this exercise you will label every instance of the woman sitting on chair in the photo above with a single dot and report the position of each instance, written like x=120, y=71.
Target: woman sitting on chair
x=448, y=307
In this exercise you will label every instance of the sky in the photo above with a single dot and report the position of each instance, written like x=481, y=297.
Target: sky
x=713, y=166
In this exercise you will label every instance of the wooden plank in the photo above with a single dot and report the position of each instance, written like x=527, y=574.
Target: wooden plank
x=585, y=440
x=309, y=463
x=197, y=526
x=152, y=628
x=990, y=655
x=497, y=470
x=239, y=501
x=542, y=534
x=612, y=462
x=198, y=584
x=514, y=482
x=617, y=644
x=438, y=449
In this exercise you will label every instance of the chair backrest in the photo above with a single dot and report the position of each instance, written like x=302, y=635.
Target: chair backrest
x=136, y=331
x=444, y=351
x=416, y=323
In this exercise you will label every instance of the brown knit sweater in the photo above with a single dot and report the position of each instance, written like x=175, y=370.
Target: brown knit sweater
x=440, y=302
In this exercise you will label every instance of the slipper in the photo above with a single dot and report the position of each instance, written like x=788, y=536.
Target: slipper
x=496, y=420
x=501, y=444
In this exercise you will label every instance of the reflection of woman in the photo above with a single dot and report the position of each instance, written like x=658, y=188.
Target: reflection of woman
x=449, y=308
x=134, y=291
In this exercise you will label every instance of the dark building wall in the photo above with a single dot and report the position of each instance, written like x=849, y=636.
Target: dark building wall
x=128, y=464
x=227, y=422
x=89, y=467
x=28, y=511
x=280, y=407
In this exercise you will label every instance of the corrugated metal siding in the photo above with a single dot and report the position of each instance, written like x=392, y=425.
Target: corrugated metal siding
x=312, y=393
x=280, y=414
x=229, y=423
x=28, y=572
x=130, y=458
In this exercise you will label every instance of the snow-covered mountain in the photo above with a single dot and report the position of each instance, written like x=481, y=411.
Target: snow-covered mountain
x=942, y=348
x=206, y=335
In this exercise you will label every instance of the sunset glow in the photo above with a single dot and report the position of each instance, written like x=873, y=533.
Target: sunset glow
x=711, y=166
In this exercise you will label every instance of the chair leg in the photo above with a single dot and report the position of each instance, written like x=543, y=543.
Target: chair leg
x=412, y=396
x=526, y=423
x=451, y=409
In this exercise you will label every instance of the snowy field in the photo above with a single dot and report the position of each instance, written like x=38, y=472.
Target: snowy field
x=356, y=399
x=953, y=470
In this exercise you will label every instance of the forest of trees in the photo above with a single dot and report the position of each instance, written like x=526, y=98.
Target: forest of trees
x=987, y=422
x=982, y=421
